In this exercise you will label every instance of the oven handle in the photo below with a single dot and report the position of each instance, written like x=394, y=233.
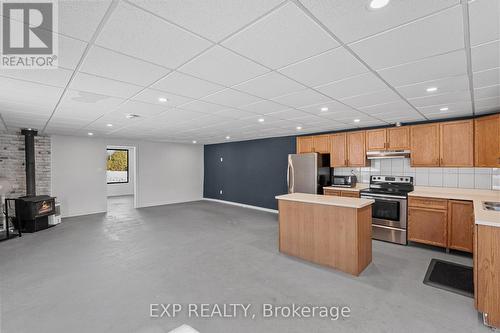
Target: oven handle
x=383, y=197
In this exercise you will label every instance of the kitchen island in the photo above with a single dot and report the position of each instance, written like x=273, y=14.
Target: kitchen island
x=330, y=231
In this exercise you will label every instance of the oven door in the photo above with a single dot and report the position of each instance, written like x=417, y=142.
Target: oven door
x=389, y=212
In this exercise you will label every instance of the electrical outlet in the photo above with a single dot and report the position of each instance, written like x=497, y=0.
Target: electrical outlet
x=221, y=159
x=220, y=191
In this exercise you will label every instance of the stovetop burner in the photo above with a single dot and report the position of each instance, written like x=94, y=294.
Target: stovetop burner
x=390, y=185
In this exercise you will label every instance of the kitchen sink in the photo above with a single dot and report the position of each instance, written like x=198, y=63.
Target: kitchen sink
x=491, y=205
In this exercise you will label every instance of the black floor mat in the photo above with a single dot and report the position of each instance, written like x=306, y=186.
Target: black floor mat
x=450, y=276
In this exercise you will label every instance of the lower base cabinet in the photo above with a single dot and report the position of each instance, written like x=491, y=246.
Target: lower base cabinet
x=340, y=193
x=487, y=273
x=441, y=222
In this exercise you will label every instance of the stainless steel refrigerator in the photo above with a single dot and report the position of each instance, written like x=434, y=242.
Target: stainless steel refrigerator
x=308, y=173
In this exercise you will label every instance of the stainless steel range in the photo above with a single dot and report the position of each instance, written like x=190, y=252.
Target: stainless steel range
x=390, y=210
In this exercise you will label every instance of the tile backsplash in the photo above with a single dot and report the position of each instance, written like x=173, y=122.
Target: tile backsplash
x=479, y=178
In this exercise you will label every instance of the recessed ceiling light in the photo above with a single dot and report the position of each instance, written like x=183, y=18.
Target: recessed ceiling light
x=357, y=120
x=228, y=137
x=162, y=99
x=90, y=133
x=261, y=120
x=298, y=128
x=131, y=116
x=324, y=109
x=444, y=109
x=109, y=125
x=431, y=89
x=377, y=4
x=194, y=141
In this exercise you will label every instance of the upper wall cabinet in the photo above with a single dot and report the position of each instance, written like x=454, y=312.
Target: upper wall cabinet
x=396, y=138
x=456, y=143
x=356, y=152
x=424, y=145
x=487, y=141
x=305, y=144
x=338, y=150
x=313, y=144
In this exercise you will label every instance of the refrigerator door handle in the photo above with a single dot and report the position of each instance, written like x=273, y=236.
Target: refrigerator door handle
x=291, y=176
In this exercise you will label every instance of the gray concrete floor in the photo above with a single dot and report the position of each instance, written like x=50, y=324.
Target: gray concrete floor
x=100, y=273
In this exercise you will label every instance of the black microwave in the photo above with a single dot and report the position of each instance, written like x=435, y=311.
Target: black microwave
x=344, y=181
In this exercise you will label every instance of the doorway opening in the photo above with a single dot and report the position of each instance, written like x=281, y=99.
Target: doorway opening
x=121, y=178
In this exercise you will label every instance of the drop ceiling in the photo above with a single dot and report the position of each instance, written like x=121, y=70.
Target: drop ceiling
x=225, y=65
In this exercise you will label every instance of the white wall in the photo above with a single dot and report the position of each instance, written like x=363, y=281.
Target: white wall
x=79, y=174
x=124, y=188
x=479, y=178
x=166, y=173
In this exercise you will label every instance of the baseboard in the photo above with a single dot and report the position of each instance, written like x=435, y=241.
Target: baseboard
x=275, y=211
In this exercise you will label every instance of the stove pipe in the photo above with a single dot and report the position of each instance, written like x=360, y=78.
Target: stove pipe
x=29, y=143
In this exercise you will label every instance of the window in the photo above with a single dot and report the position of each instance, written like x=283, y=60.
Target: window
x=117, y=166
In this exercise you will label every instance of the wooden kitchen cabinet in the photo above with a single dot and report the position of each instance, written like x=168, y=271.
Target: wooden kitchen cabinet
x=487, y=141
x=487, y=273
x=305, y=144
x=340, y=193
x=338, y=150
x=376, y=139
x=398, y=138
x=356, y=149
x=424, y=145
x=321, y=144
x=428, y=226
x=350, y=194
x=460, y=225
x=456, y=143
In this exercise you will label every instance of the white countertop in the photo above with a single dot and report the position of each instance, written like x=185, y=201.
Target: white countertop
x=481, y=215
x=326, y=200
x=357, y=188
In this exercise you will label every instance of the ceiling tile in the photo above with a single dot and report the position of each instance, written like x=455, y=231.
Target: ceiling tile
x=288, y=32
x=437, y=99
x=343, y=17
x=120, y=67
x=142, y=109
x=103, y=86
x=486, y=56
x=452, y=108
x=270, y=85
x=203, y=107
x=432, y=35
x=433, y=68
x=327, y=67
x=264, y=107
x=456, y=83
x=487, y=92
x=223, y=66
x=353, y=86
x=332, y=106
x=57, y=77
x=301, y=98
x=289, y=114
x=484, y=21
x=487, y=104
x=373, y=98
x=140, y=34
x=70, y=52
x=388, y=108
x=80, y=105
x=231, y=97
x=488, y=77
x=187, y=85
x=79, y=19
x=214, y=20
x=152, y=96
x=235, y=113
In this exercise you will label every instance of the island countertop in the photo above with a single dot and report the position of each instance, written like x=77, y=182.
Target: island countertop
x=326, y=200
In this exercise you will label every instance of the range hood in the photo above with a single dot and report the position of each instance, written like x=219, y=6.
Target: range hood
x=381, y=154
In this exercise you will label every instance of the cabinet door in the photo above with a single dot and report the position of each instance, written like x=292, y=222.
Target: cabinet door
x=305, y=144
x=428, y=226
x=460, y=225
x=424, y=141
x=356, y=152
x=332, y=192
x=487, y=141
x=321, y=144
x=350, y=194
x=376, y=139
x=338, y=154
x=398, y=138
x=457, y=143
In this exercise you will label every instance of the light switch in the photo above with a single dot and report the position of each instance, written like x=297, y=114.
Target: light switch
x=220, y=191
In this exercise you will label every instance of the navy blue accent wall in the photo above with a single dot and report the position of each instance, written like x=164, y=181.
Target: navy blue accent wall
x=251, y=172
